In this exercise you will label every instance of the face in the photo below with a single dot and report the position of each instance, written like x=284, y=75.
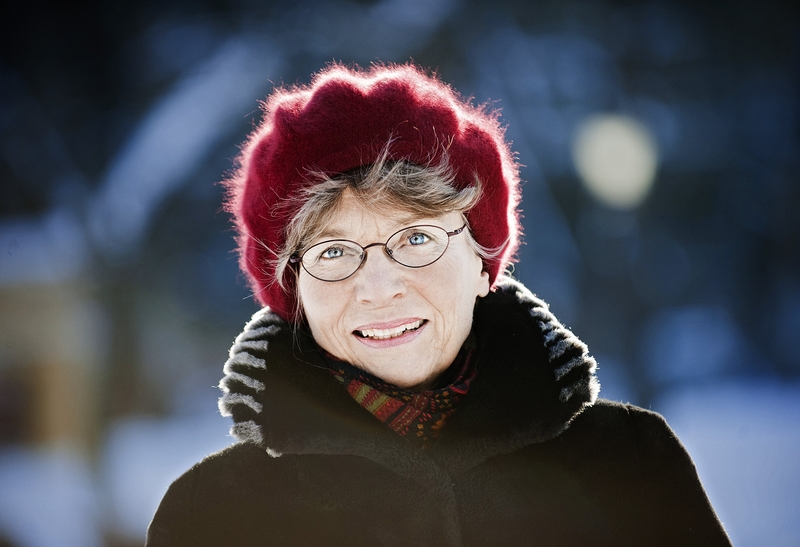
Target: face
x=403, y=325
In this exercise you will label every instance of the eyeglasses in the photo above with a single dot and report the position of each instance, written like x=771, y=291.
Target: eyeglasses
x=412, y=247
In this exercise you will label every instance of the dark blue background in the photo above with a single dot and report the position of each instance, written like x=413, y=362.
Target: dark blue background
x=117, y=119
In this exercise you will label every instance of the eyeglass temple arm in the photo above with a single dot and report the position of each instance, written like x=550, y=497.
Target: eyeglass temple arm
x=457, y=231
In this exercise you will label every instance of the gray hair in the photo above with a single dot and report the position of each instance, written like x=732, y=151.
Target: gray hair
x=418, y=191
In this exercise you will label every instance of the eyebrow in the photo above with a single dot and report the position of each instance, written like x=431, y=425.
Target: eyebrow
x=404, y=222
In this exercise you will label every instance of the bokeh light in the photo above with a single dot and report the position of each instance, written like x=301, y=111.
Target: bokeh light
x=616, y=158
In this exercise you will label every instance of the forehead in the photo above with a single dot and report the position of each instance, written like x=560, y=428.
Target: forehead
x=352, y=219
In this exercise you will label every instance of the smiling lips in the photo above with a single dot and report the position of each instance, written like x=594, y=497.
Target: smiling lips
x=389, y=333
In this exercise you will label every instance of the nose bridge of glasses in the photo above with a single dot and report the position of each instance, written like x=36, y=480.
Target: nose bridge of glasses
x=374, y=245
x=385, y=246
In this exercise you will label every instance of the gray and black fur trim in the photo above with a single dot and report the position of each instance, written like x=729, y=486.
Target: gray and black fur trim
x=534, y=377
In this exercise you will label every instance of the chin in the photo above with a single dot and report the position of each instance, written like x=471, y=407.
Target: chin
x=405, y=382
x=418, y=382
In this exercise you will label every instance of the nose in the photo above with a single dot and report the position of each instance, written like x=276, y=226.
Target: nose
x=380, y=279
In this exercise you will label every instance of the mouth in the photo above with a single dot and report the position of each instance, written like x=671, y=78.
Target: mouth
x=388, y=334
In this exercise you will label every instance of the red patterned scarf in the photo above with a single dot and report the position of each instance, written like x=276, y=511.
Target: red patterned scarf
x=419, y=416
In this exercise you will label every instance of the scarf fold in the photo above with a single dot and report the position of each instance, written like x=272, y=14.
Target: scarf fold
x=418, y=416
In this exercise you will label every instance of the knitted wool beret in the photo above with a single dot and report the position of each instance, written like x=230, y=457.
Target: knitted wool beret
x=342, y=120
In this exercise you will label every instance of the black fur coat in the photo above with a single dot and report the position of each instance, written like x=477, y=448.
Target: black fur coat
x=529, y=458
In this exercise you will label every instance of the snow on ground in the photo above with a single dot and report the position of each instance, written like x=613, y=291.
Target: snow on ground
x=744, y=437
x=142, y=458
x=48, y=499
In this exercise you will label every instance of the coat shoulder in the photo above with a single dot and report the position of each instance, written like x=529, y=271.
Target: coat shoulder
x=200, y=504
x=608, y=421
x=629, y=449
x=623, y=431
x=239, y=471
x=606, y=414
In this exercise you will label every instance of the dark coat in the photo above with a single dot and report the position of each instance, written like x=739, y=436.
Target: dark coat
x=529, y=458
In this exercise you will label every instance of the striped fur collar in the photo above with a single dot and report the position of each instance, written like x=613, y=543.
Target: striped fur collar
x=534, y=377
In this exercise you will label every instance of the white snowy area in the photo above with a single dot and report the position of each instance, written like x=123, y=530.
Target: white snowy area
x=745, y=440
x=48, y=499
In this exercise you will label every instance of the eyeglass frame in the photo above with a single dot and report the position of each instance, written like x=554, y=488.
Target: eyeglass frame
x=298, y=258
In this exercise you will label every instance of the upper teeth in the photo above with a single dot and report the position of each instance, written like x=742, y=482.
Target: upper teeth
x=382, y=334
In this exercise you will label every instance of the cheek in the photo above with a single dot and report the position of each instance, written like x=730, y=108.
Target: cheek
x=324, y=306
x=313, y=301
x=455, y=294
x=475, y=281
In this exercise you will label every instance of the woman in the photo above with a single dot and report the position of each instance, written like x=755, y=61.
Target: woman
x=397, y=388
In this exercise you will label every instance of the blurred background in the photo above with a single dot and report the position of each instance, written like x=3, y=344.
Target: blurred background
x=660, y=148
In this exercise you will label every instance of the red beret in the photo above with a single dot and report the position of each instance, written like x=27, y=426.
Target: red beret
x=342, y=120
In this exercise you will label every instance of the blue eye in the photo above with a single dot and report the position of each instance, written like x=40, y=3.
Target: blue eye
x=332, y=252
x=418, y=238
